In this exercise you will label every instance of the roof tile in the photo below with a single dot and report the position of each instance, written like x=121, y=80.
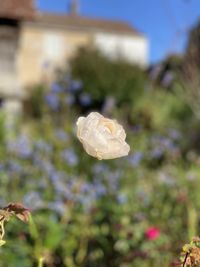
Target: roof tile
x=17, y=9
x=86, y=23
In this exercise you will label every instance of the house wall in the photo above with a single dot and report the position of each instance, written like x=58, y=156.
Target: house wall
x=44, y=49
x=131, y=48
x=8, y=51
x=10, y=91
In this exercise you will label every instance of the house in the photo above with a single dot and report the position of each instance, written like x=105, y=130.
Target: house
x=12, y=14
x=34, y=44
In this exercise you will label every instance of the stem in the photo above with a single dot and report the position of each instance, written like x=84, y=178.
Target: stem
x=185, y=259
x=2, y=230
x=40, y=262
x=37, y=242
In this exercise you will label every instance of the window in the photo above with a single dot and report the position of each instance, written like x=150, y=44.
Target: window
x=53, y=47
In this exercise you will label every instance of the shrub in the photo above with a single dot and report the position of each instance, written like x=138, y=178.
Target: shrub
x=102, y=77
x=158, y=108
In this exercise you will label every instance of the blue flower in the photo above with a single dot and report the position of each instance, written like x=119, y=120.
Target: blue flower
x=157, y=153
x=55, y=177
x=85, y=188
x=99, y=168
x=56, y=88
x=15, y=166
x=75, y=85
x=70, y=157
x=135, y=158
x=20, y=146
x=61, y=135
x=43, y=146
x=112, y=178
x=33, y=200
x=52, y=101
x=85, y=99
x=100, y=190
x=121, y=198
x=57, y=206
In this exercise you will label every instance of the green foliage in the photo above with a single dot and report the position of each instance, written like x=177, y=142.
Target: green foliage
x=158, y=108
x=89, y=213
x=134, y=211
x=34, y=106
x=102, y=77
x=2, y=129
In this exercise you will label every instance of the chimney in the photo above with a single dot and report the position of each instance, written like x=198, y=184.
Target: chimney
x=74, y=7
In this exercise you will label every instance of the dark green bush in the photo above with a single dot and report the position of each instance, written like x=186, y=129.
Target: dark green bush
x=34, y=105
x=102, y=77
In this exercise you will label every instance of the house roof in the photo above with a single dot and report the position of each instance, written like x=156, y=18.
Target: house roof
x=85, y=23
x=17, y=9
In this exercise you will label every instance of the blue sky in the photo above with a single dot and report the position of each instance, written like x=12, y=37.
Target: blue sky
x=164, y=22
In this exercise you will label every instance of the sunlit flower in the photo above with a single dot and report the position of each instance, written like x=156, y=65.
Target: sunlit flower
x=102, y=138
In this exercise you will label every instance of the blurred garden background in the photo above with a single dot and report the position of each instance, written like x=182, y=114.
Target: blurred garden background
x=136, y=211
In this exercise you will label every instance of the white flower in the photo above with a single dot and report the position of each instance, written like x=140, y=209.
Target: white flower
x=102, y=138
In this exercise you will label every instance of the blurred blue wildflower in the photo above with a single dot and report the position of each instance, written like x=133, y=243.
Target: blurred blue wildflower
x=60, y=185
x=75, y=85
x=14, y=166
x=135, y=158
x=52, y=101
x=33, y=200
x=21, y=146
x=112, y=178
x=56, y=177
x=122, y=198
x=85, y=99
x=99, y=189
x=85, y=188
x=61, y=135
x=58, y=206
x=43, y=146
x=56, y=88
x=156, y=153
x=70, y=156
x=99, y=168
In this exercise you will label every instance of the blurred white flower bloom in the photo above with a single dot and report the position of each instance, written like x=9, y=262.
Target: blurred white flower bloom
x=102, y=138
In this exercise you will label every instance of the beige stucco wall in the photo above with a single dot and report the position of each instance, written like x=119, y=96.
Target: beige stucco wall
x=43, y=49
x=132, y=48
